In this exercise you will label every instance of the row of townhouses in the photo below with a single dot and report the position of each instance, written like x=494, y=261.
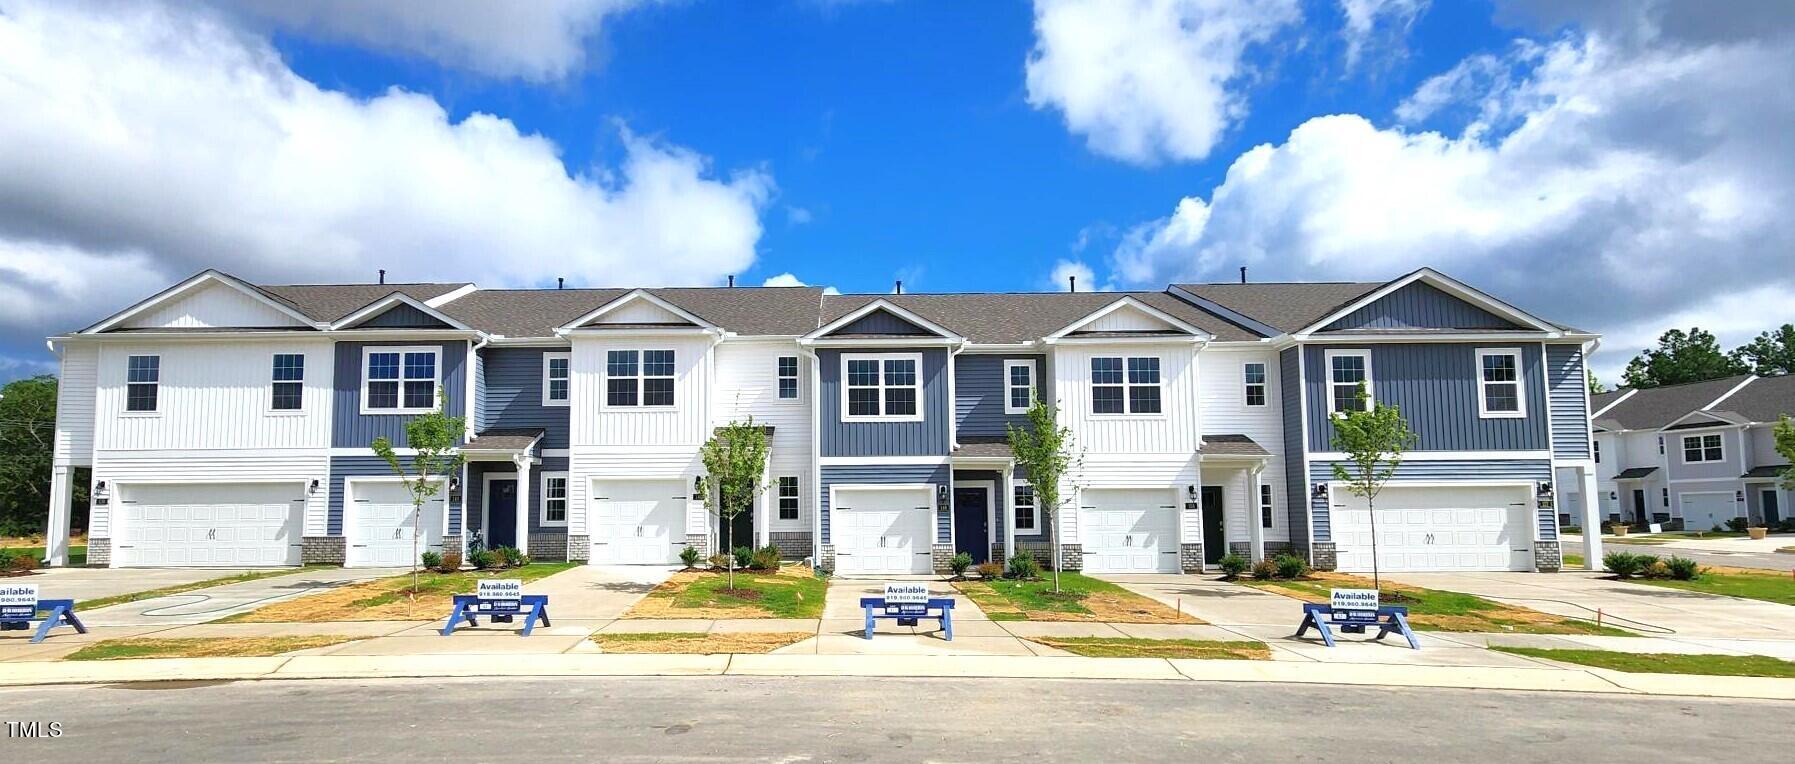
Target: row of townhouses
x=1694, y=456
x=226, y=423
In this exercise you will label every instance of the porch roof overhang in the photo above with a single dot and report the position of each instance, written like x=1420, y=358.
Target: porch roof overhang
x=503, y=444
x=1232, y=447
x=983, y=451
x=1635, y=473
x=1765, y=472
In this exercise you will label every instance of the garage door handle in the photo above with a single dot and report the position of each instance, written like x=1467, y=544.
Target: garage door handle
x=359, y=546
x=397, y=532
x=212, y=534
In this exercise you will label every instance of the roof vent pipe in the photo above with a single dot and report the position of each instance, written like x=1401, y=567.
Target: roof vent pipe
x=1071, y=283
x=383, y=275
x=900, y=286
x=731, y=281
x=1243, y=274
x=560, y=282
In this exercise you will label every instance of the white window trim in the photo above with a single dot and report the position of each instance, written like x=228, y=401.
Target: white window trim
x=436, y=382
x=1327, y=360
x=305, y=362
x=124, y=408
x=1127, y=386
x=1268, y=506
x=604, y=391
x=1520, y=383
x=1698, y=447
x=546, y=357
x=797, y=378
x=779, y=498
x=1035, y=531
x=1009, y=388
x=566, y=500
x=881, y=358
x=1246, y=388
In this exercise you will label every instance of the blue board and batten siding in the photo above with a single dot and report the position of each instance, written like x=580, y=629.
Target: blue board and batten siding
x=403, y=316
x=514, y=395
x=1290, y=390
x=1569, y=401
x=1470, y=471
x=352, y=429
x=881, y=322
x=928, y=437
x=480, y=406
x=887, y=474
x=1420, y=306
x=981, y=389
x=1436, y=386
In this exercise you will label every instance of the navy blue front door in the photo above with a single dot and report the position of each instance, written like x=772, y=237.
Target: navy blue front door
x=501, y=513
x=1772, y=513
x=972, y=524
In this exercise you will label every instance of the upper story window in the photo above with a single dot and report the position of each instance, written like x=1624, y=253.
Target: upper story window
x=1255, y=384
x=1597, y=445
x=1265, y=505
x=399, y=380
x=883, y=386
x=788, y=377
x=1660, y=445
x=1018, y=386
x=642, y=378
x=288, y=389
x=788, y=498
x=1499, y=384
x=1023, y=502
x=1125, y=385
x=557, y=378
x=1347, y=370
x=143, y=382
x=554, y=499
x=1702, y=448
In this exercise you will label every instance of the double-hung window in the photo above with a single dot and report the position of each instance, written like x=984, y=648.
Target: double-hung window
x=1255, y=384
x=1347, y=370
x=288, y=389
x=1264, y=505
x=557, y=378
x=788, y=377
x=885, y=386
x=1702, y=448
x=641, y=378
x=1023, y=503
x=399, y=380
x=554, y=499
x=1597, y=445
x=1019, y=386
x=1499, y=384
x=143, y=382
x=788, y=498
x=1125, y=385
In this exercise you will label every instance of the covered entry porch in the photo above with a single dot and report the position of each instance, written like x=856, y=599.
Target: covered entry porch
x=1239, y=500
x=512, y=496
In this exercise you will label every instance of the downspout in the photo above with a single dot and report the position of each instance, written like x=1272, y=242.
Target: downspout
x=816, y=438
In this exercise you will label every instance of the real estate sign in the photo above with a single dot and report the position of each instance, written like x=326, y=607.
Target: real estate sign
x=18, y=602
x=907, y=594
x=500, y=595
x=1353, y=603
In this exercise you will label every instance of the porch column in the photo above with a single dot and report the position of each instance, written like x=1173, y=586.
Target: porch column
x=764, y=505
x=1255, y=523
x=1592, y=518
x=56, y=535
x=522, y=461
x=1008, y=518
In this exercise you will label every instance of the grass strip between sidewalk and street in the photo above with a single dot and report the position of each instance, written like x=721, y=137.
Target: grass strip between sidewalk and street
x=223, y=647
x=1749, y=583
x=693, y=643
x=388, y=599
x=120, y=599
x=793, y=591
x=1122, y=647
x=1439, y=610
x=1663, y=663
x=1081, y=598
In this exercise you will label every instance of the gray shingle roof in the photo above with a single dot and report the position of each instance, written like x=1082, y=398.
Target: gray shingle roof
x=329, y=302
x=1287, y=307
x=1005, y=318
x=763, y=311
x=527, y=312
x=1655, y=407
x=537, y=312
x=504, y=439
x=1766, y=471
x=1766, y=399
x=1634, y=473
x=985, y=448
x=1232, y=445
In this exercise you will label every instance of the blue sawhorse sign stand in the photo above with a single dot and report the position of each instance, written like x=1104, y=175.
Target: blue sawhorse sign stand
x=1388, y=620
x=534, y=608
x=908, y=614
x=56, y=613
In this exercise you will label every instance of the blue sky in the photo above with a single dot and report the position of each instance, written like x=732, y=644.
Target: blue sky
x=1609, y=165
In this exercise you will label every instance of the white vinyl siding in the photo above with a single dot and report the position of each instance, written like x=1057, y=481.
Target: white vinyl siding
x=1253, y=377
x=75, y=391
x=788, y=377
x=748, y=374
x=143, y=377
x=212, y=396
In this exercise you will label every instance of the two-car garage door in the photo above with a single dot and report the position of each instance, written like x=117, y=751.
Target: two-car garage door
x=1431, y=528
x=208, y=525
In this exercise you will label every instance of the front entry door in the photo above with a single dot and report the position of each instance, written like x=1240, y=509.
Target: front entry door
x=1214, y=546
x=501, y=513
x=1639, y=507
x=1772, y=512
x=972, y=524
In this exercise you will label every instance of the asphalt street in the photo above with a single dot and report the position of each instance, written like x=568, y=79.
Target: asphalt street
x=851, y=719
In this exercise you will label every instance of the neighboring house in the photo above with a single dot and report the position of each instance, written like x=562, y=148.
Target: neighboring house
x=229, y=424
x=1695, y=455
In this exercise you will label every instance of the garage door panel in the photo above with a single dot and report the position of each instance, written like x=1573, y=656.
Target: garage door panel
x=883, y=531
x=209, y=524
x=637, y=522
x=385, y=528
x=1437, y=528
x=1131, y=531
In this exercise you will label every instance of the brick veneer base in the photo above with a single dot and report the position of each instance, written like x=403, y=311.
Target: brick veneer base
x=1547, y=557
x=579, y=548
x=943, y=555
x=548, y=546
x=99, y=553
x=793, y=545
x=1190, y=558
x=322, y=550
x=455, y=545
x=1321, y=556
x=1272, y=548
x=828, y=559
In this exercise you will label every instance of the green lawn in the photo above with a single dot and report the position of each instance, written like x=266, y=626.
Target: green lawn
x=235, y=647
x=390, y=598
x=119, y=599
x=1664, y=663
x=77, y=554
x=781, y=596
x=1115, y=647
x=1440, y=610
x=1080, y=598
x=1573, y=561
x=1769, y=585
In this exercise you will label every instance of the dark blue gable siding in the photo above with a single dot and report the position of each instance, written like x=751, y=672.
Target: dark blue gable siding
x=351, y=429
x=885, y=474
x=1295, y=487
x=980, y=390
x=514, y=394
x=925, y=438
x=1436, y=385
x=1420, y=306
x=402, y=316
x=881, y=322
x=1569, y=401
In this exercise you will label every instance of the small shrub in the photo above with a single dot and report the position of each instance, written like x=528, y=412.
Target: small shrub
x=1264, y=569
x=431, y=560
x=744, y=556
x=718, y=561
x=1291, y=566
x=1626, y=564
x=1737, y=524
x=485, y=559
x=1023, y=567
x=450, y=563
x=7, y=556
x=690, y=556
x=959, y=564
x=764, y=558
x=1683, y=569
x=510, y=557
x=1787, y=525
x=1656, y=569
x=1233, y=565
x=990, y=571
x=22, y=563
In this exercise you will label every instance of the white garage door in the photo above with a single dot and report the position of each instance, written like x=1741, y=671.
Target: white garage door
x=379, y=520
x=878, y=531
x=637, y=522
x=1130, y=531
x=1706, y=511
x=1436, y=528
x=209, y=525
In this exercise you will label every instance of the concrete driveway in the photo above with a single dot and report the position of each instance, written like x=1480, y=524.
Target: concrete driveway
x=1685, y=614
x=93, y=583
x=213, y=603
x=1214, y=601
x=598, y=592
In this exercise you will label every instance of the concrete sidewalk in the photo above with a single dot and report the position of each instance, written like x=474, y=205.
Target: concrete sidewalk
x=81, y=584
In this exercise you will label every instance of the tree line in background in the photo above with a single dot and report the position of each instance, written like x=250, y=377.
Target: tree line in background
x=27, y=448
x=1695, y=356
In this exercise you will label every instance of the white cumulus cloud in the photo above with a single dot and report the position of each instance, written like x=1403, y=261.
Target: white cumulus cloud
x=1377, y=24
